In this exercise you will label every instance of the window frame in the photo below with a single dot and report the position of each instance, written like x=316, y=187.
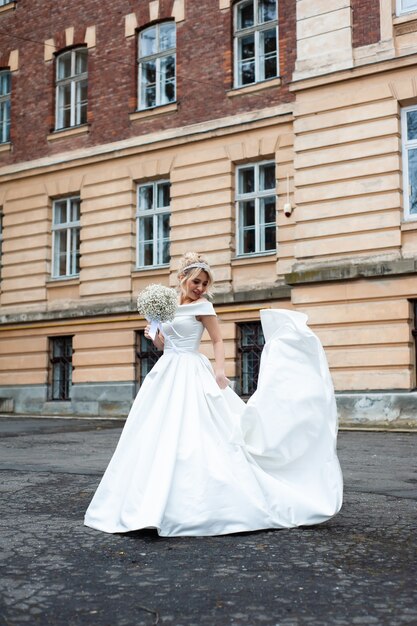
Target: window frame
x=155, y=212
x=157, y=57
x=5, y=102
x=73, y=80
x=400, y=11
x=257, y=196
x=72, y=227
x=62, y=363
x=406, y=146
x=257, y=29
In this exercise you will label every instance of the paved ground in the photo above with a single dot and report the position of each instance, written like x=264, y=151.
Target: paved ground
x=358, y=568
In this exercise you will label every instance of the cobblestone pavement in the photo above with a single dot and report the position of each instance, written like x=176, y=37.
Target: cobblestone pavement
x=358, y=568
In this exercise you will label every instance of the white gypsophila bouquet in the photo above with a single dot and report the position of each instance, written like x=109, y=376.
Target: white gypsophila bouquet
x=158, y=304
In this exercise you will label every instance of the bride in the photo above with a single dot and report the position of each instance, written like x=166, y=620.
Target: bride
x=194, y=459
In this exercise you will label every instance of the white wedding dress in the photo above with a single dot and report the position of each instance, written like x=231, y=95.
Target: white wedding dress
x=196, y=460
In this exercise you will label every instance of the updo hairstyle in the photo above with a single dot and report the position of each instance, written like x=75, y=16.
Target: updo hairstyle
x=189, y=258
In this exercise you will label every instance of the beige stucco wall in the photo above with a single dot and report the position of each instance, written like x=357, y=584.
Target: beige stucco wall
x=341, y=151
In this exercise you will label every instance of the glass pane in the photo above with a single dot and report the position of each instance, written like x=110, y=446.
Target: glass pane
x=81, y=61
x=167, y=79
x=167, y=36
x=150, y=97
x=75, y=251
x=81, y=102
x=163, y=195
x=148, y=254
x=64, y=66
x=267, y=211
x=247, y=180
x=5, y=83
x=146, y=227
x=145, y=197
x=60, y=253
x=408, y=5
x=248, y=241
x=163, y=226
x=149, y=73
x=247, y=72
x=247, y=47
x=267, y=10
x=412, y=175
x=269, y=41
x=60, y=212
x=147, y=42
x=245, y=15
x=165, y=252
x=247, y=213
x=270, y=238
x=267, y=176
x=412, y=125
x=270, y=67
x=75, y=210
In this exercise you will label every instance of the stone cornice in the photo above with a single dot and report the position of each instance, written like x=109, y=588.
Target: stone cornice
x=375, y=67
x=127, y=306
x=352, y=271
x=150, y=141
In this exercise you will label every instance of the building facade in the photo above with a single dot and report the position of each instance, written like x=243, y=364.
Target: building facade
x=279, y=138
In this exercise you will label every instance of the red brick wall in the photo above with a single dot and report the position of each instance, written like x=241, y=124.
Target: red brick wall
x=366, y=26
x=204, y=70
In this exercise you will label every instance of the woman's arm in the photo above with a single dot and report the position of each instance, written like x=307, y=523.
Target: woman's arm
x=210, y=322
x=158, y=342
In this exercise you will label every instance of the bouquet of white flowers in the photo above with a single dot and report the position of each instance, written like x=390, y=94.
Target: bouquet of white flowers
x=158, y=304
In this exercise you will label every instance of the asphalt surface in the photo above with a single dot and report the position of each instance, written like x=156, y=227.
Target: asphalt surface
x=358, y=568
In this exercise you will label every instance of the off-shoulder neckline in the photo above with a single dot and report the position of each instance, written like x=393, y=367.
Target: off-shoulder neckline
x=193, y=303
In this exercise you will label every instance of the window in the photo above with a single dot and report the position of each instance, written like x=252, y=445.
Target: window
x=60, y=368
x=409, y=135
x=255, y=203
x=71, y=88
x=256, y=41
x=3, y=2
x=5, y=89
x=146, y=355
x=157, y=65
x=153, y=217
x=406, y=6
x=66, y=237
x=250, y=341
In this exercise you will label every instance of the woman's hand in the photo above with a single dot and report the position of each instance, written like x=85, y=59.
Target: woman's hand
x=222, y=380
x=159, y=339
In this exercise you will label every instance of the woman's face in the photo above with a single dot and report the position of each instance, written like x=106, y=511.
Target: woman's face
x=196, y=287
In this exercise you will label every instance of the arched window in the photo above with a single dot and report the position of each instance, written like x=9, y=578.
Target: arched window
x=156, y=60
x=71, y=88
x=5, y=92
x=256, y=41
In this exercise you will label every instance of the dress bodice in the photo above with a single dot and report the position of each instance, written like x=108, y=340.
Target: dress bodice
x=184, y=333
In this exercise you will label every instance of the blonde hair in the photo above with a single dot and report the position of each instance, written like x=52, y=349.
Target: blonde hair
x=185, y=272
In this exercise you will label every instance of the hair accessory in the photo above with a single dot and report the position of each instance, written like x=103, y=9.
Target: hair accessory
x=202, y=266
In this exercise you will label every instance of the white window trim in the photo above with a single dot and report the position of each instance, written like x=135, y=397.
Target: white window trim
x=73, y=80
x=406, y=144
x=401, y=11
x=70, y=227
x=157, y=242
x=257, y=28
x=255, y=195
x=157, y=57
x=5, y=126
